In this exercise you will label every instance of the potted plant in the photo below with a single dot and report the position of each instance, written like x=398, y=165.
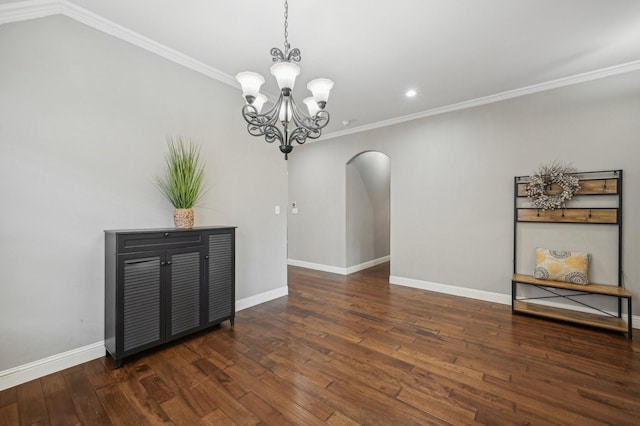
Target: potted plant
x=183, y=184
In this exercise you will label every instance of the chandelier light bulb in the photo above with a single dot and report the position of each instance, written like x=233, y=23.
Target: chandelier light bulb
x=312, y=106
x=320, y=88
x=259, y=101
x=250, y=82
x=285, y=73
x=285, y=112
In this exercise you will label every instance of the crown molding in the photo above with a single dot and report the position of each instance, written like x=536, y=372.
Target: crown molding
x=32, y=9
x=21, y=11
x=109, y=27
x=528, y=90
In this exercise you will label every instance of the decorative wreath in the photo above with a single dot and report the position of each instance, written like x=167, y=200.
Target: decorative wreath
x=541, y=181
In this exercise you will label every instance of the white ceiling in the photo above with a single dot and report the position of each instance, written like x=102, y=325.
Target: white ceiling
x=450, y=51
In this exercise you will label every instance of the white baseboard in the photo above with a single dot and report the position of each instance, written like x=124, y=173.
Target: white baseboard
x=261, y=298
x=338, y=269
x=369, y=264
x=34, y=370
x=487, y=296
x=317, y=266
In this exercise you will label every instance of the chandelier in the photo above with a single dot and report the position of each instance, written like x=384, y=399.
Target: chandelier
x=295, y=124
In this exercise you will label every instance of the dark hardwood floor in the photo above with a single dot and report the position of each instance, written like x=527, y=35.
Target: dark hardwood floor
x=354, y=350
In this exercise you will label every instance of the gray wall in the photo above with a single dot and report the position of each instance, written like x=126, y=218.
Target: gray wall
x=367, y=205
x=452, y=180
x=83, y=125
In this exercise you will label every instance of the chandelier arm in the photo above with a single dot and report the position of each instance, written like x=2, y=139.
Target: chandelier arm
x=317, y=122
x=251, y=116
x=305, y=127
x=272, y=134
x=272, y=115
x=300, y=135
x=264, y=124
x=321, y=119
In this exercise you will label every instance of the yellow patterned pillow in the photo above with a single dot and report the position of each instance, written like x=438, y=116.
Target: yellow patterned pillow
x=566, y=266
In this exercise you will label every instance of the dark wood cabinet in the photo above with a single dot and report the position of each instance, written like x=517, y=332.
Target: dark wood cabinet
x=162, y=284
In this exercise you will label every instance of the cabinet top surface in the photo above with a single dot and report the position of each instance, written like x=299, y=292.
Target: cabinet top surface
x=154, y=230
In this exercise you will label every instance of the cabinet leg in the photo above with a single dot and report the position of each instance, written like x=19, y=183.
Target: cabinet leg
x=629, y=317
x=232, y=320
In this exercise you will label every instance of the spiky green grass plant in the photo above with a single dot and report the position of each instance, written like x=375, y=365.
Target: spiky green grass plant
x=183, y=184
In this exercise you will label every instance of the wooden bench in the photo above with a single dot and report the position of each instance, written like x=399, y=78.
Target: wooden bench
x=591, y=319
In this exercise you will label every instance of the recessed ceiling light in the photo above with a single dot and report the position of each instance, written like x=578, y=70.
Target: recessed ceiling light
x=411, y=93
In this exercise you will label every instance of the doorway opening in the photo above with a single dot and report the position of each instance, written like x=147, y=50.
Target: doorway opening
x=368, y=210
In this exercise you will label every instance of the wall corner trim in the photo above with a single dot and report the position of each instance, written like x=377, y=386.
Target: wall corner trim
x=250, y=301
x=369, y=264
x=317, y=266
x=338, y=269
x=34, y=370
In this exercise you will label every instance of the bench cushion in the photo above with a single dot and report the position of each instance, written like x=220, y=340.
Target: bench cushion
x=562, y=265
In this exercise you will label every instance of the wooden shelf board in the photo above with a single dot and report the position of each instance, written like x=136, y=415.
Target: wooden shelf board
x=605, y=289
x=593, y=320
x=570, y=215
x=587, y=187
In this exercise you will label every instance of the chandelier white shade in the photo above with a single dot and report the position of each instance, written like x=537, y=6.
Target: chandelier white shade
x=320, y=88
x=259, y=101
x=312, y=105
x=250, y=82
x=285, y=73
x=284, y=122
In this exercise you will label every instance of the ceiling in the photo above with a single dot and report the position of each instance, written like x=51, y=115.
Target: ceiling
x=449, y=51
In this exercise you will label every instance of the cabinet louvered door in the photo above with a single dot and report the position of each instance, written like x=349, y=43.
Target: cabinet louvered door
x=185, y=277
x=142, y=292
x=220, y=277
x=160, y=284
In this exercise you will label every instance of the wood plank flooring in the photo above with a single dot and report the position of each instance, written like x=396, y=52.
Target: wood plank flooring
x=354, y=350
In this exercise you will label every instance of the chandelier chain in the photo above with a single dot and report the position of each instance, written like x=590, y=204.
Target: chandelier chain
x=286, y=27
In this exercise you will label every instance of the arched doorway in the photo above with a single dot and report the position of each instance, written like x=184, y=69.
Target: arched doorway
x=368, y=210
